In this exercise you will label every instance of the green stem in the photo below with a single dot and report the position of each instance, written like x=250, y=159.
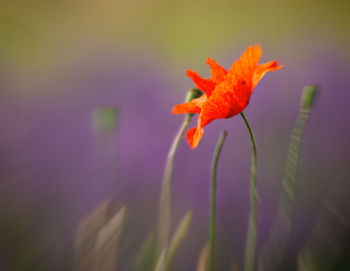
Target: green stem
x=165, y=196
x=164, y=218
x=213, y=200
x=250, y=248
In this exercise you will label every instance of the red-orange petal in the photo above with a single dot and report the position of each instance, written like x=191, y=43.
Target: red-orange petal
x=247, y=62
x=217, y=72
x=251, y=55
x=206, y=85
x=223, y=103
x=185, y=108
x=262, y=69
x=193, y=136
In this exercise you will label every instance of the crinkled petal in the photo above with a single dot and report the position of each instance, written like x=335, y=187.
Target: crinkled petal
x=262, y=69
x=217, y=72
x=193, y=106
x=219, y=106
x=240, y=75
x=222, y=104
x=206, y=85
x=251, y=55
x=193, y=136
x=246, y=64
x=185, y=108
x=207, y=115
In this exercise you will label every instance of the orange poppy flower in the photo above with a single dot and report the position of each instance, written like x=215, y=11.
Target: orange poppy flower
x=227, y=93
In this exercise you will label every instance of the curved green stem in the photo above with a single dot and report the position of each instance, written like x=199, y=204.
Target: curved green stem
x=250, y=248
x=213, y=200
x=164, y=218
x=165, y=195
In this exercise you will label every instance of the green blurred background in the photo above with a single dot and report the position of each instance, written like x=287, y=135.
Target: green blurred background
x=37, y=34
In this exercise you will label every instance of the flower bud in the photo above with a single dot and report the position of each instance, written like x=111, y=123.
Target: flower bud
x=193, y=93
x=308, y=96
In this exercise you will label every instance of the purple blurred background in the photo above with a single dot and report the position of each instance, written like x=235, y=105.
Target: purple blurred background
x=56, y=166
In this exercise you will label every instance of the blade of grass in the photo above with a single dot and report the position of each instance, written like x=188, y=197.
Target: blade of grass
x=276, y=246
x=107, y=242
x=86, y=236
x=161, y=263
x=329, y=235
x=203, y=260
x=166, y=258
x=212, y=228
x=146, y=258
x=177, y=238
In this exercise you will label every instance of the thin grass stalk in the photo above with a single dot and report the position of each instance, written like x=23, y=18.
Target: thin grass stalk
x=212, y=230
x=250, y=247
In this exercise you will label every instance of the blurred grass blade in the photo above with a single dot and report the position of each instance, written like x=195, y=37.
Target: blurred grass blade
x=177, y=238
x=276, y=246
x=161, y=263
x=203, y=260
x=236, y=266
x=329, y=236
x=146, y=259
x=107, y=242
x=305, y=263
x=166, y=258
x=86, y=236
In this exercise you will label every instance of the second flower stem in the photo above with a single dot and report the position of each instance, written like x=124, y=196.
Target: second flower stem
x=165, y=195
x=212, y=229
x=250, y=247
x=164, y=218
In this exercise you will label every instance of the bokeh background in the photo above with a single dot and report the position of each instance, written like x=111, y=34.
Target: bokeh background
x=86, y=91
